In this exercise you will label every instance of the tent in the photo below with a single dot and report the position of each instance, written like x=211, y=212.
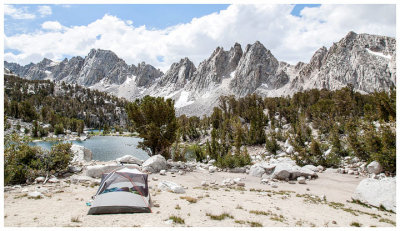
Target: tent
x=122, y=191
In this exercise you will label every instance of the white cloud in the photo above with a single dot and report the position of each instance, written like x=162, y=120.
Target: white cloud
x=52, y=25
x=44, y=11
x=290, y=38
x=17, y=13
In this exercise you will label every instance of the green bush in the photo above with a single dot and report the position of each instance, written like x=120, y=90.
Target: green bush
x=271, y=144
x=58, y=129
x=386, y=156
x=198, y=152
x=24, y=163
x=235, y=160
x=178, y=154
x=20, y=161
x=59, y=157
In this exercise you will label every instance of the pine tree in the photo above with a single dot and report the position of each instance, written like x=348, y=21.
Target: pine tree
x=154, y=119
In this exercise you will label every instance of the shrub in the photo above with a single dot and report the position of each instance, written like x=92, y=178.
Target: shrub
x=386, y=156
x=219, y=217
x=58, y=129
x=59, y=157
x=24, y=163
x=21, y=161
x=235, y=160
x=198, y=152
x=271, y=144
x=178, y=155
x=177, y=220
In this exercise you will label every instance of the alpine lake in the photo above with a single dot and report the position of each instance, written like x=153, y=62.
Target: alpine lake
x=105, y=148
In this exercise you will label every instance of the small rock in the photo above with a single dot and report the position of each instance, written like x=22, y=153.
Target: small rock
x=228, y=182
x=181, y=172
x=273, y=185
x=35, y=194
x=204, y=183
x=331, y=170
x=237, y=180
x=155, y=178
x=156, y=205
x=212, y=169
x=301, y=180
x=374, y=167
x=163, y=172
x=169, y=222
x=39, y=179
x=53, y=180
x=241, y=184
x=171, y=187
x=74, y=169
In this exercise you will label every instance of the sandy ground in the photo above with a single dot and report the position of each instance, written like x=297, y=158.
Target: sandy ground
x=287, y=205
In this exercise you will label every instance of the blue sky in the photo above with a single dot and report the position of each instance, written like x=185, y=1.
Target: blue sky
x=163, y=34
x=153, y=16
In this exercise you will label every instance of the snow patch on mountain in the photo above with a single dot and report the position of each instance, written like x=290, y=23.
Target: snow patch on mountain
x=380, y=54
x=183, y=100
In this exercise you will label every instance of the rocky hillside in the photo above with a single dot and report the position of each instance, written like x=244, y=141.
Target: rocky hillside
x=59, y=103
x=365, y=61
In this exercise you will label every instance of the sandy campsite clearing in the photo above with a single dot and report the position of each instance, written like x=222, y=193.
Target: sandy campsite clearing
x=64, y=204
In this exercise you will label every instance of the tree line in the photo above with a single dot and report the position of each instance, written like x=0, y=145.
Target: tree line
x=63, y=106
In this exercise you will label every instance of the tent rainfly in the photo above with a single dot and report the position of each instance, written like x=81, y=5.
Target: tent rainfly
x=122, y=191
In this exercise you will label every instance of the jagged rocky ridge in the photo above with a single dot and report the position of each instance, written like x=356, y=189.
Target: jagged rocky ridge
x=368, y=62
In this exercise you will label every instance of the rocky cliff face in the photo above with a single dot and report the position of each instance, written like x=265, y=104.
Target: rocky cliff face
x=178, y=75
x=258, y=66
x=219, y=66
x=98, y=66
x=368, y=62
x=365, y=61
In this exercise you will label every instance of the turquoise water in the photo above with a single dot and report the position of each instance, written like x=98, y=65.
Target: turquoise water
x=105, y=148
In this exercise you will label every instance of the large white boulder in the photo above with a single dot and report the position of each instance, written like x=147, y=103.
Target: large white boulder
x=286, y=170
x=377, y=192
x=282, y=171
x=311, y=167
x=301, y=171
x=374, y=168
x=155, y=164
x=129, y=160
x=256, y=170
x=96, y=171
x=170, y=187
x=81, y=153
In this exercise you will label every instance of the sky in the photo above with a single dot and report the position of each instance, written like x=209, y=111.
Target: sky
x=163, y=34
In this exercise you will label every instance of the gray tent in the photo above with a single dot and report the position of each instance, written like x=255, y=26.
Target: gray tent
x=122, y=191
